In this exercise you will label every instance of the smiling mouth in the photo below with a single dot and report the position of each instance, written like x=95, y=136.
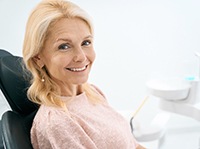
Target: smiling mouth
x=77, y=69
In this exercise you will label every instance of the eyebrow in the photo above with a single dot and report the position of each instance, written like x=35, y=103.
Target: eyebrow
x=66, y=39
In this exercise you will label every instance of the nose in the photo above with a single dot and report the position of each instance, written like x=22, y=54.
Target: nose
x=79, y=55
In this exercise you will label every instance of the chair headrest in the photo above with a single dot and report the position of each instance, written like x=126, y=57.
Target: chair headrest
x=4, y=53
x=14, y=84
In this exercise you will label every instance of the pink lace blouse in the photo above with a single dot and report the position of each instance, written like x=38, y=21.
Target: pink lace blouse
x=89, y=126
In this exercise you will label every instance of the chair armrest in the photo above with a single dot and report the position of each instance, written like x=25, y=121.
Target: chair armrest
x=16, y=130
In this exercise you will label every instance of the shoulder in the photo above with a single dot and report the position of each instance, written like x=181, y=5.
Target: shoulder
x=52, y=127
x=97, y=90
x=49, y=121
x=47, y=117
x=49, y=114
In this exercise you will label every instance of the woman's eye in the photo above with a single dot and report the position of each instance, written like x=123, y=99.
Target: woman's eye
x=63, y=46
x=86, y=43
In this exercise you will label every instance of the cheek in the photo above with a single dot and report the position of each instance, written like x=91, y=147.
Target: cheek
x=54, y=63
x=61, y=62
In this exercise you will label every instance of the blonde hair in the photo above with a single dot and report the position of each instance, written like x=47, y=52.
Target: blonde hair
x=46, y=13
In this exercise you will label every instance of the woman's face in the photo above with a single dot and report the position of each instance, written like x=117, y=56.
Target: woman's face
x=68, y=52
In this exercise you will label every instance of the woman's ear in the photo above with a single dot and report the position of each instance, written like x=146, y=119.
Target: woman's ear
x=37, y=59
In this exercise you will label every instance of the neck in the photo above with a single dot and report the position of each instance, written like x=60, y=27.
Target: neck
x=72, y=90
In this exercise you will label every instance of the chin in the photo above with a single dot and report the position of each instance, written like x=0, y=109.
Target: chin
x=80, y=82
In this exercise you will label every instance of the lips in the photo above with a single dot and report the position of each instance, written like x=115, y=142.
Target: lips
x=77, y=69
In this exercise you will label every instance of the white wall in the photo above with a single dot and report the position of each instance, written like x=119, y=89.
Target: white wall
x=135, y=40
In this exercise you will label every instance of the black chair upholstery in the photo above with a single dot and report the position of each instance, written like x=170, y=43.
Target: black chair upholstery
x=2, y=54
x=16, y=130
x=16, y=124
x=14, y=84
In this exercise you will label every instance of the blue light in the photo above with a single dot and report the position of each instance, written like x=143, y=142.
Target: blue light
x=190, y=78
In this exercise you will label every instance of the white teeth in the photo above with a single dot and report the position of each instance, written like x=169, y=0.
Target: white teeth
x=77, y=69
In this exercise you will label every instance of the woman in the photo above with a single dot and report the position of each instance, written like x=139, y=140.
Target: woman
x=58, y=51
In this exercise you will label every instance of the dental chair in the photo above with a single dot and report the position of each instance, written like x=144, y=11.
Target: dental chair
x=2, y=54
x=16, y=123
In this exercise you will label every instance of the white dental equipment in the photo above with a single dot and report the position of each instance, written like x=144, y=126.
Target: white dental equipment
x=181, y=96
x=155, y=130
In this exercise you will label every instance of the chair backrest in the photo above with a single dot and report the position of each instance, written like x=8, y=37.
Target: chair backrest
x=4, y=53
x=14, y=84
